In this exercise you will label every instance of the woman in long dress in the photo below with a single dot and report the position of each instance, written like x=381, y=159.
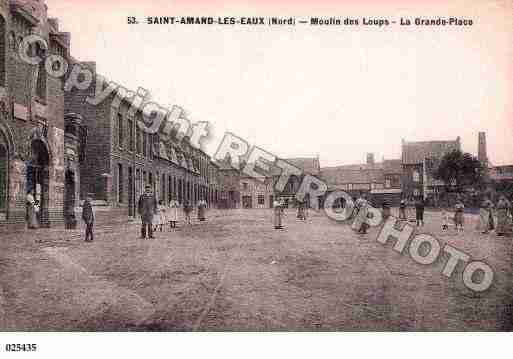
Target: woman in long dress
x=173, y=213
x=202, y=206
x=159, y=219
x=485, y=213
x=503, y=209
x=459, y=218
x=402, y=210
x=278, y=214
x=32, y=222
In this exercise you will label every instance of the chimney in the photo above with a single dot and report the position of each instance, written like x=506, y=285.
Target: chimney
x=370, y=158
x=482, y=155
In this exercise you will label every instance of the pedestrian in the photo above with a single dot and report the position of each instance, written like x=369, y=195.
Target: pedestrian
x=32, y=222
x=159, y=220
x=187, y=210
x=485, y=215
x=173, y=212
x=419, y=211
x=202, y=208
x=445, y=219
x=147, y=208
x=402, y=209
x=385, y=211
x=459, y=217
x=360, y=223
x=301, y=211
x=88, y=217
x=503, y=216
x=278, y=208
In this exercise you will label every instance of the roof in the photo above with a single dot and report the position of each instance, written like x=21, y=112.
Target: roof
x=309, y=165
x=416, y=152
x=341, y=175
x=392, y=166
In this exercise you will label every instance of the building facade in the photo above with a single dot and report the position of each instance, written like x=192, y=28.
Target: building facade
x=419, y=161
x=33, y=139
x=121, y=158
x=380, y=181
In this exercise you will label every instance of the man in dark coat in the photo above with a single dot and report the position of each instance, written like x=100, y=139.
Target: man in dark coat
x=419, y=211
x=88, y=217
x=147, y=208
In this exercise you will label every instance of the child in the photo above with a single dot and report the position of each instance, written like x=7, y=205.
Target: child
x=160, y=217
x=173, y=215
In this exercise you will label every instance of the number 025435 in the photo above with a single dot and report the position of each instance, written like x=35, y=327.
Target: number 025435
x=20, y=347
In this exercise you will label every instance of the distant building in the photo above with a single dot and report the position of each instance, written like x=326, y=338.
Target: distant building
x=419, y=161
x=381, y=181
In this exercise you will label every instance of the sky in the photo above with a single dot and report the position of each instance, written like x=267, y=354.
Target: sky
x=333, y=91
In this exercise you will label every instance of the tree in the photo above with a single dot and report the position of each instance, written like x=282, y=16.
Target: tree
x=460, y=170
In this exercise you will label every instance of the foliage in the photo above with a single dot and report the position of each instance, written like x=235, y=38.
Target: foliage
x=459, y=170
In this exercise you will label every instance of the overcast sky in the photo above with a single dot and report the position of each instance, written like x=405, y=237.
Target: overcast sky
x=336, y=92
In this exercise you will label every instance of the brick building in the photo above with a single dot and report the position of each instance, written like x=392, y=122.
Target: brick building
x=381, y=181
x=419, y=161
x=32, y=121
x=121, y=158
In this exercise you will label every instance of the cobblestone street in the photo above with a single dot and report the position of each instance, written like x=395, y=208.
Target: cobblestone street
x=235, y=272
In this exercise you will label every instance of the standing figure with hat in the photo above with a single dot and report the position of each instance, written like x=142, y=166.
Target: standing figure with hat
x=147, y=208
x=88, y=217
x=278, y=213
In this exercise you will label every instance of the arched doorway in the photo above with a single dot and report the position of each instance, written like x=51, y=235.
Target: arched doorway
x=37, y=179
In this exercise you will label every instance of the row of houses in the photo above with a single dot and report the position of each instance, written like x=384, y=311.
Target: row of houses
x=61, y=147
x=410, y=176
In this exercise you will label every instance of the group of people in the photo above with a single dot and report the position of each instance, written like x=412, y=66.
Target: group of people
x=155, y=215
x=496, y=217
x=279, y=206
x=491, y=217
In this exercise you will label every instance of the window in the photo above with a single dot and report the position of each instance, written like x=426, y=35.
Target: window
x=245, y=186
x=388, y=183
x=120, y=183
x=130, y=124
x=138, y=139
x=145, y=144
x=41, y=74
x=261, y=199
x=416, y=176
x=120, y=130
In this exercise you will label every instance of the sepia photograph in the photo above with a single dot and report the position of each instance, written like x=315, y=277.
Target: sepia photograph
x=297, y=168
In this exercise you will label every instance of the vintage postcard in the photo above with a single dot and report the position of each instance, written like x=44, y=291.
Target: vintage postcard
x=255, y=166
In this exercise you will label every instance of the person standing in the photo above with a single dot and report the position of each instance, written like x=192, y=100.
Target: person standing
x=485, y=214
x=385, y=211
x=278, y=214
x=147, y=208
x=503, y=209
x=173, y=213
x=32, y=222
x=402, y=210
x=202, y=208
x=187, y=210
x=360, y=223
x=88, y=217
x=301, y=211
x=159, y=220
x=459, y=218
x=419, y=211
